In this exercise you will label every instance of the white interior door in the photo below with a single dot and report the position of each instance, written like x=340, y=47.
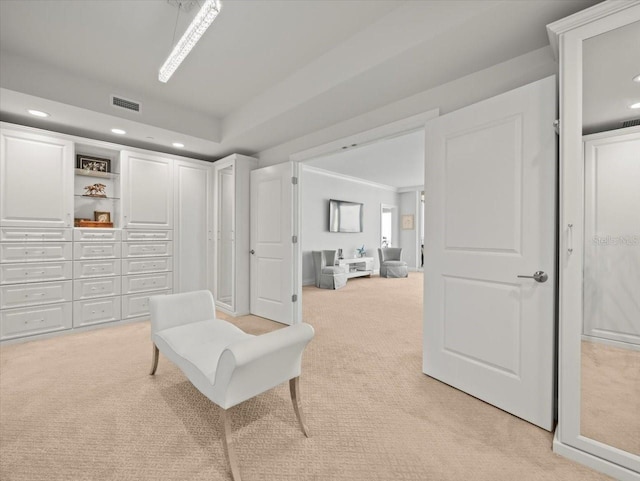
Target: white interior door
x=271, y=243
x=490, y=217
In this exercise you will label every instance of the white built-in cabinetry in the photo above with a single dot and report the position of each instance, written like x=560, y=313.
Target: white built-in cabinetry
x=36, y=180
x=35, y=281
x=231, y=207
x=147, y=257
x=54, y=277
x=147, y=191
x=193, y=217
x=96, y=280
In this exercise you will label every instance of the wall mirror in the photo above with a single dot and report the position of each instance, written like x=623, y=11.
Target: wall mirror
x=226, y=242
x=610, y=340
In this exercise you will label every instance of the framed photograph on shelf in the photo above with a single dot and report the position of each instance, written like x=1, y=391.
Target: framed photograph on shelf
x=93, y=164
x=100, y=216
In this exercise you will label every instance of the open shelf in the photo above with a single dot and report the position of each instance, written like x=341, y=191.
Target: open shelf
x=93, y=173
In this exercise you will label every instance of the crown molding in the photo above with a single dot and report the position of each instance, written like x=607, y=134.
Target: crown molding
x=336, y=175
x=591, y=14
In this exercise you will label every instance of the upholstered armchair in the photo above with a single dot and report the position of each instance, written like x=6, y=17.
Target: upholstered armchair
x=328, y=275
x=391, y=263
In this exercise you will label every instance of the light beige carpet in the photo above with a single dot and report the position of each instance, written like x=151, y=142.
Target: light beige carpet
x=611, y=396
x=82, y=407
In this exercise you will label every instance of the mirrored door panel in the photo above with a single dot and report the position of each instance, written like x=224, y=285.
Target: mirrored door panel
x=610, y=366
x=224, y=271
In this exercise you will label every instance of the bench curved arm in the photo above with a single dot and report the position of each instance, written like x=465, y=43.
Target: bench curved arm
x=252, y=366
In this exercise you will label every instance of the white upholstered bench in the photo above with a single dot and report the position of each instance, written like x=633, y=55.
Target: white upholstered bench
x=224, y=363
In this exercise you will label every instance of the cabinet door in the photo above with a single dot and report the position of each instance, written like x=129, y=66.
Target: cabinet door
x=194, y=234
x=36, y=180
x=147, y=198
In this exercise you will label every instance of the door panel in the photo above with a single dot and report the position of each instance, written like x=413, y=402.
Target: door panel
x=193, y=226
x=271, y=230
x=490, y=217
x=36, y=180
x=147, y=200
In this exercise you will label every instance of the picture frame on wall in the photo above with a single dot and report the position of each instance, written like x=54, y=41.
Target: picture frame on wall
x=93, y=164
x=407, y=222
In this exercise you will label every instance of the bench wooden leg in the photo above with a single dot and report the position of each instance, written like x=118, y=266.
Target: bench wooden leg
x=228, y=446
x=294, y=387
x=154, y=360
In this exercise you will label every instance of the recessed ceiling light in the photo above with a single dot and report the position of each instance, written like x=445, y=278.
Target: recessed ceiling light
x=178, y=145
x=118, y=131
x=637, y=78
x=38, y=113
x=635, y=106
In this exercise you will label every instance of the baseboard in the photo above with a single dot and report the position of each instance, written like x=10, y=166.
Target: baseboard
x=594, y=462
x=309, y=282
x=611, y=342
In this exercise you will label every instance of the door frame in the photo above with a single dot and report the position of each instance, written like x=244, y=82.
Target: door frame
x=391, y=129
x=395, y=231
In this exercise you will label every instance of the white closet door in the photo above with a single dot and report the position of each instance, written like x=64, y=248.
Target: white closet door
x=147, y=198
x=36, y=180
x=193, y=231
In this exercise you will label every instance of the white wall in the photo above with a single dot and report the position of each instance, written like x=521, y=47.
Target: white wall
x=409, y=202
x=318, y=187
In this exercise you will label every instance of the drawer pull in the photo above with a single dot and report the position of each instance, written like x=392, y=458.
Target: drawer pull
x=34, y=320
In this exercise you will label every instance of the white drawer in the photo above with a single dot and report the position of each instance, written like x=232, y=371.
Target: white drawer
x=34, y=320
x=47, y=271
x=19, y=234
x=95, y=311
x=54, y=251
x=96, y=250
x=147, y=249
x=136, y=305
x=148, y=282
x=99, y=287
x=140, y=266
x=96, y=268
x=97, y=234
x=20, y=295
x=138, y=235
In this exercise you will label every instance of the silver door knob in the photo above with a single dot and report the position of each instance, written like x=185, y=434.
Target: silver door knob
x=252, y=251
x=538, y=276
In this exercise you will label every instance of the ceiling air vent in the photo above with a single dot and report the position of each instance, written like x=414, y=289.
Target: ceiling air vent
x=125, y=103
x=630, y=123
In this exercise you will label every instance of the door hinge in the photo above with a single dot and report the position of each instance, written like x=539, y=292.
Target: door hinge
x=294, y=239
x=294, y=298
x=294, y=180
x=556, y=126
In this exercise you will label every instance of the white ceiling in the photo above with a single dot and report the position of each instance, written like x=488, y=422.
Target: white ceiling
x=396, y=162
x=264, y=73
x=610, y=61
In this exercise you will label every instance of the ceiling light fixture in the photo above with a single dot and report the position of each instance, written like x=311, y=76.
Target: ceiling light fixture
x=635, y=106
x=207, y=14
x=636, y=78
x=38, y=113
x=179, y=145
x=118, y=131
